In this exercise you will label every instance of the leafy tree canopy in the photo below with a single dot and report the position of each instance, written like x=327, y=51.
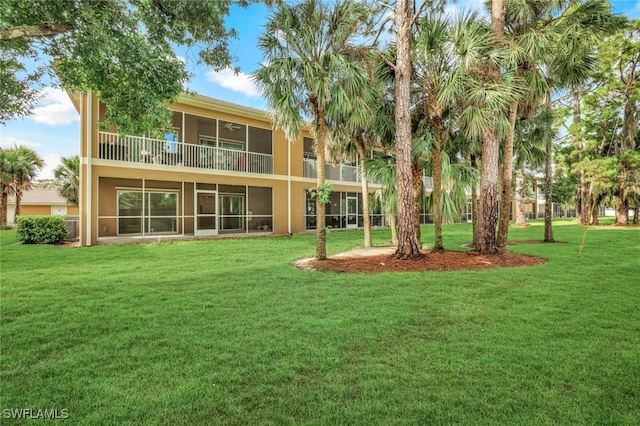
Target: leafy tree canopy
x=119, y=49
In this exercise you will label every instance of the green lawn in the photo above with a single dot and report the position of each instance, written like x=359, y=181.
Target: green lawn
x=227, y=332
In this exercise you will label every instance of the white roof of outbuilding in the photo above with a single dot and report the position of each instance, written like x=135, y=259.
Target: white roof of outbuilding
x=41, y=196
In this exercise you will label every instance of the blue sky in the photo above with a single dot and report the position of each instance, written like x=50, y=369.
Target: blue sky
x=53, y=129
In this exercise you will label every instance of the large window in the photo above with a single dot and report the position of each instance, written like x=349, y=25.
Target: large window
x=233, y=146
x=233, y=134
x=260, y=140
x=344, y=210
x=155, y=210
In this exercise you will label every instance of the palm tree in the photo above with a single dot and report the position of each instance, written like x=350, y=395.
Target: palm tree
x=405, y=14
x=68, y=176
x=529, y=39
x=448, y=52
x=382, y=168
x=24, y=173
x=486, y=238
x=6, y=179
x=535, y=30
x=578, y=29
x=356, y=131
x=457, y=177
x=530, y=138
x=308, y=71
x=488, y=99
x=18, y=167
x=489, y=88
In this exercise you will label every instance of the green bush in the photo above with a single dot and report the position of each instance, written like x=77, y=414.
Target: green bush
x=41, y=229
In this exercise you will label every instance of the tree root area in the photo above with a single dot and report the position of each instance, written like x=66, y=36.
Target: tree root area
x=432, y=261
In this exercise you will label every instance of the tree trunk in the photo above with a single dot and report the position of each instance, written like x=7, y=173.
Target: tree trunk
x=636, y=212
x=407, y=244
x=548, y=205
x=629, y=132
x=474, y=206
x=591, y=209
x=18, y=205
x=582, y=206
x=394, y=229
x=416, y=189
x=436, y=194
x=366, y=217
x=622, y=208
x=490, y=152
x=321, y=229
x=46, y=29
x=507, y=175
x=629, y=125
x=488, y=194
x=498, y=13
x=3, y=205
x=521, y=219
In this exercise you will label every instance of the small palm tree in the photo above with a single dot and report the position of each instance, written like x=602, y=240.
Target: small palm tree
x=529, y=149
x=24, y=173
x=382, y=169
x=6, y=180
x=456, y=178
x=309, y=72
x=448, y=52
x=358, y=130
x=18, y=167
x=557, y=36
x=67, y=174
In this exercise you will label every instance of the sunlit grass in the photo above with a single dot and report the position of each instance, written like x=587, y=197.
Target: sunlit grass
x=227, y=332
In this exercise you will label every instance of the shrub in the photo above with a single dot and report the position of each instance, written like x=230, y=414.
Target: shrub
x=41, y=229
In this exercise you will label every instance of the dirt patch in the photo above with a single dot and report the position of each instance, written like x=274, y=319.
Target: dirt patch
x=443, y=261
x=68, y=244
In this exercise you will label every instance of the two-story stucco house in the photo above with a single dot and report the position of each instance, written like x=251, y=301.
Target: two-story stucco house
x=222, y=170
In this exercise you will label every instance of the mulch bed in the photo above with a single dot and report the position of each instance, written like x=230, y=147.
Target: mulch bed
x=439, y=261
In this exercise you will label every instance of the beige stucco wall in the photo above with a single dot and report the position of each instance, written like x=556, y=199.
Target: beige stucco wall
x=27, y=210
x=106, y=176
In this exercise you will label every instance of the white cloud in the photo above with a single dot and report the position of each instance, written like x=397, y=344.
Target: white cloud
x=457, y=9
x=51, y=161
x=55, y=108
x=10, y=142
x=240, y=82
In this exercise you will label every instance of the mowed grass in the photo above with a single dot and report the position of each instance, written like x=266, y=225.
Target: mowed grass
x=226, y=332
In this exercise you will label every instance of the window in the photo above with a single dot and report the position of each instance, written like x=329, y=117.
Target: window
x=171, y=146
x=260, y=140
x=159, y=215
x=232, y=132
x=309, y=151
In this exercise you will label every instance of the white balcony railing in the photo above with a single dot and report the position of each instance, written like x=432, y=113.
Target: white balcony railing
x=340, y=172
x=138, y=149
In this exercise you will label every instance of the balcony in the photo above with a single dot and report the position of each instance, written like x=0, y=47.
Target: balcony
x=339, y=172
x=139, y=149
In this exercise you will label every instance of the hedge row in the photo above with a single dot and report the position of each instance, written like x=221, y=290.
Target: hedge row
x=41, y=229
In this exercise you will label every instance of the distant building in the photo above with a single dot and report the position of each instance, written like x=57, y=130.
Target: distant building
x=39, y=201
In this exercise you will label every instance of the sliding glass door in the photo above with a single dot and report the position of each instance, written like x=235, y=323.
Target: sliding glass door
x=231, y=212
x=352, y=212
